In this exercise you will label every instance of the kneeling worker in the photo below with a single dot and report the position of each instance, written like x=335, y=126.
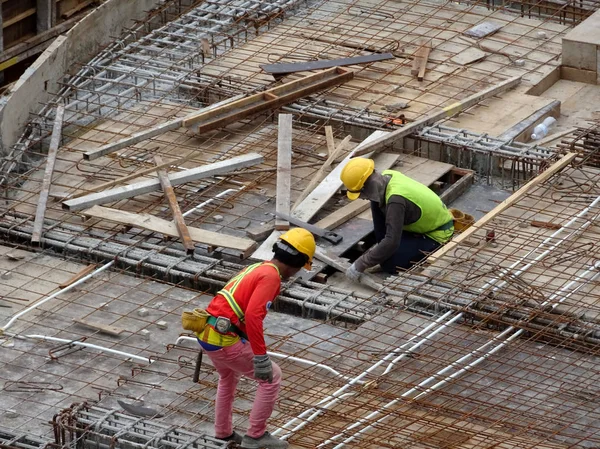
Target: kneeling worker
x=398, y=203
x=233, y=338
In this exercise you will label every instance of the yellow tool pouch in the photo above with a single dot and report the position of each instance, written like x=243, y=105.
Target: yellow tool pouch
x=462, y=221
x=194, y=321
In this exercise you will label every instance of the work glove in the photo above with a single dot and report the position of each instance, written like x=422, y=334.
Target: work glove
x=352, y=273
x=263, y=368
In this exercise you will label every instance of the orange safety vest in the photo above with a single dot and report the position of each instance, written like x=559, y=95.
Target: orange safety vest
x=209, y=334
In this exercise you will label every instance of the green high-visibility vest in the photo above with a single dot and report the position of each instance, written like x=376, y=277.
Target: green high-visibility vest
x=434, y=213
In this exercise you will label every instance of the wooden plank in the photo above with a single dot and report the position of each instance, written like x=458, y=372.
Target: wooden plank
x=421, y=57
x=284, y=170
x=330, y=140
x=343, y=214
x=468, y=56
x=155, y=224
x=318, y=177
x=84, y=272
x=423, y=62
x=152, y=185
x=510, y=201
x=280, y=69
x=521, y=132
x=28, y=13
x=35, y=44
x=102, y=328
x=261, y=232
x=40, y=212
x=142, y=136
x=449, y=111
x=459, y=187
x=331, y=184
x=285, y=94
x=423, y=170
x=265, y=250
x=182, y=228
x=552, y=137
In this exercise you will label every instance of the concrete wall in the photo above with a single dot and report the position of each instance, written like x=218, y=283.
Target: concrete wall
x=581, y=50
x=40, y=82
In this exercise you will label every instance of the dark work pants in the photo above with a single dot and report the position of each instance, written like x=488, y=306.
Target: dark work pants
x=412, y=249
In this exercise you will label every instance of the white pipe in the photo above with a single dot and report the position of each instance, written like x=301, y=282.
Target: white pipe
x=471, y=365
x=546, y=241
x=55, y=294
x=506, y=331
x=201, y=205
x=86, y=345
x=333, y=398
x=286, y=357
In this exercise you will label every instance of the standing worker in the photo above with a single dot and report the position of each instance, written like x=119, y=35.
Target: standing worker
x=398, y=203
x=234, y=341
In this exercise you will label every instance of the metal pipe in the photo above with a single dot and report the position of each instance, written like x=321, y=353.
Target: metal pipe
x=333, y=398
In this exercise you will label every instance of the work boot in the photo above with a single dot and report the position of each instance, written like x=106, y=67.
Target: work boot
x=267, y=441
x=235, y=437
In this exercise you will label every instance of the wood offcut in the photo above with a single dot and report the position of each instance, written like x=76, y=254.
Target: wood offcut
x=284, y=170
x=40, y=212
x=155, y=224
x=182, y=228
x=448, y=111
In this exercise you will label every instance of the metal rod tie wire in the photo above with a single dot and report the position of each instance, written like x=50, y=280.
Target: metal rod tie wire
x=174, y=264
x=142, y=260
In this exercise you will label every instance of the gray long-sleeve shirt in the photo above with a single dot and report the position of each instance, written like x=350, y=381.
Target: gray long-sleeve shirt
x=398, y=212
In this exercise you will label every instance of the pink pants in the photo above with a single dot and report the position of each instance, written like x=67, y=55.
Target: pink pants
x=231, y=363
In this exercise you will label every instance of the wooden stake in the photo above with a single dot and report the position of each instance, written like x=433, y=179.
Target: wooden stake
x=182, y=229
x=448, y=111
x=330, y=140
x=84, y=272
x=481, y=223
x=284, y=170
x=318, y=177
x=47, y=181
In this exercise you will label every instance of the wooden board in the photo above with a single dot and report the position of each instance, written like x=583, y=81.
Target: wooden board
x=178, y=219
x=102, y=328
x=500, y=114
x=555, y=168
x=40, y=212
x=423, y=170
x=84, y=272
x=448, y=111
x=329, y=186
x=155, y=224
x=284, y=170
x=318, y=177
x=343, y=214
x=264, y=251
x=152, y=185
x=468, y=56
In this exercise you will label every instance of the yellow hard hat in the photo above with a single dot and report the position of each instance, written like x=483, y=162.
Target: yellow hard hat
x=355, y=173
x=302, y=241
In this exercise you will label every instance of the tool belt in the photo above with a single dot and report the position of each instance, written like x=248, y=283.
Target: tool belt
x=194, y=321
x=231, y=328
